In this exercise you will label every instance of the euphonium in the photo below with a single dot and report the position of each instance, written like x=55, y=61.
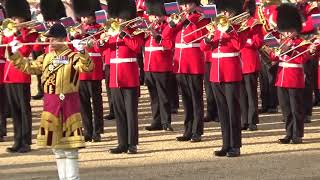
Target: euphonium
x=222, y=23
x=8, y=27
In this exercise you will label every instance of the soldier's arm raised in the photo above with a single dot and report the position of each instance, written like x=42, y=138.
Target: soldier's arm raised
x=27, y=66
x=83, y=63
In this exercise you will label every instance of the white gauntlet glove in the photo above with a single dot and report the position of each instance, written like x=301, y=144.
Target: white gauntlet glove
x=77, y=44
x=15, y=46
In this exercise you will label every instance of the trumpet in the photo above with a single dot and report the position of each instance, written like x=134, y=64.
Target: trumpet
x=177, y=17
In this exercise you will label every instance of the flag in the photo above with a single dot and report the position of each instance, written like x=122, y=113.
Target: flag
x=41, y=27
x=271, y=41
x=104, y=6
x=171, y=8
x=209, y=11
x=315, y=20
x=67, y=22
x=1, y=15
x=101, y=16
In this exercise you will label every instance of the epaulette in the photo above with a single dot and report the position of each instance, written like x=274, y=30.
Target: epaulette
x=313, y=5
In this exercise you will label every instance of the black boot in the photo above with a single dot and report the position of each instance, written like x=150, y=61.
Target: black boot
x=38, y=96
x=119, y=150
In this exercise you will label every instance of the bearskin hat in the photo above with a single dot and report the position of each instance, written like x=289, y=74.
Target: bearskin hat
x=235, y=6
x=83, y=8
x=288, y=17
x=52, y=10
x=249, y=5
x=181, y=2
x=155, y=7
x=124, y=9
x=18, y=8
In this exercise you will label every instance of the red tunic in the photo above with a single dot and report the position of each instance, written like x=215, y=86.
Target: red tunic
x=188, y=58
x=12, y=74
x=226, y=64
x=250, y=51
x=290, y=72
x=95, y=55
x=124, y=70
x=307, y=10
x=158, y=56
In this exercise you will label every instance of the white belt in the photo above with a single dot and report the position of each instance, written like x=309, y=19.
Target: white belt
x=94, y=54
x=290, y=65
x=225, y=55
x=150, y=49
x=319, y=62
x=122, y=60
x=2, y=61
x=182, y=45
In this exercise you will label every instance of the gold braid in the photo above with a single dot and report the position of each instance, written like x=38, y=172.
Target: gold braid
x=263, y=20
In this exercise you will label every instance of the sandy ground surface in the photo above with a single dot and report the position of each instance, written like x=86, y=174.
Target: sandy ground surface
x=161, y=157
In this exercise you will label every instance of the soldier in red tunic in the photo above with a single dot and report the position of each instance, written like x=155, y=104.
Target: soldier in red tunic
x=250, y=68
x=3, y=121
x=290, y=74
x=18, y=83
x=90, y=88
x=226, y=75
x=265, y=14
x=307, y=8
x=158, y=56
x=189, y=67
x=124, y=73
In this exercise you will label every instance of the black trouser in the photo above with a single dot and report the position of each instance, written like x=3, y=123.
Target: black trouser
x=192, y=98
x=39, y=85
x=19, y=99
x=227, y=97
x=211, y=102
x=3, y=121
x=159, y=93
x=141, y=68
x=267, y=85
x=292, y=102
x=107, y=80
x=249, y=99
x=91, y=90
x=308, y=90
x=316, y=92
x=126, y=111
x=173, y=92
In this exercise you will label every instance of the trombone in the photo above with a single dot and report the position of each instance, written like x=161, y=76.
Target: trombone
x=223, y=20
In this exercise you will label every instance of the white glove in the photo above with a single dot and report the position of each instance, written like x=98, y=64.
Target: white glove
x=249, y=41
x=15, y=46
x=76, y=44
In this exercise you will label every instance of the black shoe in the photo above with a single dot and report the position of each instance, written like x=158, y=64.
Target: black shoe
x=307, y=119
x=96, y=138
x=195, y=138
x=296, y=140
x=109, y=117
x=38, y=96
x=132, y=150
x=174, y=111
x=167, y=127
x=244, y=127
x=118, y=150
x=253, y=127
x=221, y=153
x=273, y=110
x=233, y=152
x=153, y=128
x=263, y=110
x=208, y=119
x=1, y=139
x=24, y=149
x=285, y=140
x=13, y=149
x=87, y=139
x=183, y=138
